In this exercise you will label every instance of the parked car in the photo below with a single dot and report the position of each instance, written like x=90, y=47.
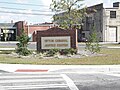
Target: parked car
x=83, y=39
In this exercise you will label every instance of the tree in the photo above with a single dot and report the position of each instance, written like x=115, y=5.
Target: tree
x=92, y=44
x=23, y=44
x=68, y=13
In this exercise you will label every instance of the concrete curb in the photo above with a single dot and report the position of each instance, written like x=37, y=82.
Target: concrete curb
x=60, y=68
x=114, y=47
x=7, y=48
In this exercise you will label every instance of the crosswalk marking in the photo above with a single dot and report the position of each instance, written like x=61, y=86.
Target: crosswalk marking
x=36, y=86
x=113, y=74
x=70, y=83
x=34, y=76
x=32, y=81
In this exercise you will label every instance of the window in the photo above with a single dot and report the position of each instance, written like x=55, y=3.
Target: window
x=116, y=4
x=112, y=14
x=83, y=35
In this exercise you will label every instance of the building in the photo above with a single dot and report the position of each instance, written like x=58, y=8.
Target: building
x=10, y=31
x=7, y=32
x=32, y=29
x=106, y=22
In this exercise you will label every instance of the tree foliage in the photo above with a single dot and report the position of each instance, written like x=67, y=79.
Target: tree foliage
x=23, y=44
x=68, y=12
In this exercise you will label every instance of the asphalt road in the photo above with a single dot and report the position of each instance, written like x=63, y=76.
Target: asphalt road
x=95, y=81
x=32, y=45
x=59, y=81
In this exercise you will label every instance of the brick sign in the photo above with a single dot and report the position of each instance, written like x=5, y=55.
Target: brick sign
x=56, y=38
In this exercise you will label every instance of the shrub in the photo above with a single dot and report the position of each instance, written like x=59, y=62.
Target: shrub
x=69, y=51
x=23, y=51
x=53, y=52
x=92, y=47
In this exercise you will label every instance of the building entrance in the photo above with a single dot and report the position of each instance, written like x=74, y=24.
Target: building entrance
x=8, y=35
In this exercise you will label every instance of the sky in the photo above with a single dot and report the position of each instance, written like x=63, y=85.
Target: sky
x=38, y=10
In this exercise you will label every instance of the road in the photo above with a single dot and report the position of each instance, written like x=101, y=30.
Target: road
x=32, y=45
x=59, y=81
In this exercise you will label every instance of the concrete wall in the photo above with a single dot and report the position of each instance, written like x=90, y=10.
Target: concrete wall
x=102, y=22
x=111, y=22
x=94, y=19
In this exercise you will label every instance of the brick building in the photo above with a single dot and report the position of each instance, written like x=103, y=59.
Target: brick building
x=9, y=31
x=32, y=29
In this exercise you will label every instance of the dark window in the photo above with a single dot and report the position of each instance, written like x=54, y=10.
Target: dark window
x=116, y=4
x=112, y=14
x=83, y=35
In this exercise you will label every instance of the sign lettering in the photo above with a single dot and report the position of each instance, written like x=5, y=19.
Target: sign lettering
x=62, y=42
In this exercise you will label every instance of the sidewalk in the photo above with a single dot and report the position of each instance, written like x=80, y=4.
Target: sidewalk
x=7, y=48
x=59, y=68
x=114, y=47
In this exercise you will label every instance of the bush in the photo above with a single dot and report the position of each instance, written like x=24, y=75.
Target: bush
x=93, y=47
x=23, y=51
x=53, y=52
x=69, y=51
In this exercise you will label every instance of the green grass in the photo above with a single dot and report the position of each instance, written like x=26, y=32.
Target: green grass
x=110, y=57
x=6, y=51
x=7, y=47
x=116, y=45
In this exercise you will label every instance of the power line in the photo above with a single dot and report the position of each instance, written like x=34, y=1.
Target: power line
x=23, y=9
x=26, y=13
x=24, y=4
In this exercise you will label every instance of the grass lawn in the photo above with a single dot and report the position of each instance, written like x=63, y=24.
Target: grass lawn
x=111, y=56
x=116, y=45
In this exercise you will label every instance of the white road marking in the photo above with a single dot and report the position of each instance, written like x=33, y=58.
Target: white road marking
x=37, y=86
x=69, y=82
x=116, y=75
x=30, y=80
x=30, y=76
x=19, y=82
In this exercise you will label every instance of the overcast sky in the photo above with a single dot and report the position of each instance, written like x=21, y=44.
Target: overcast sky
x=43, y=15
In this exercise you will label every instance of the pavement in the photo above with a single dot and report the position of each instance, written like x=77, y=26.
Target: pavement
x=11, y=45
x=32, y=45
x=58, y=81
x=59, y=68
x=60, y=77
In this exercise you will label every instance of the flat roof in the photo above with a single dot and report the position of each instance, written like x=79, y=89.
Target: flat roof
x=7, y=25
